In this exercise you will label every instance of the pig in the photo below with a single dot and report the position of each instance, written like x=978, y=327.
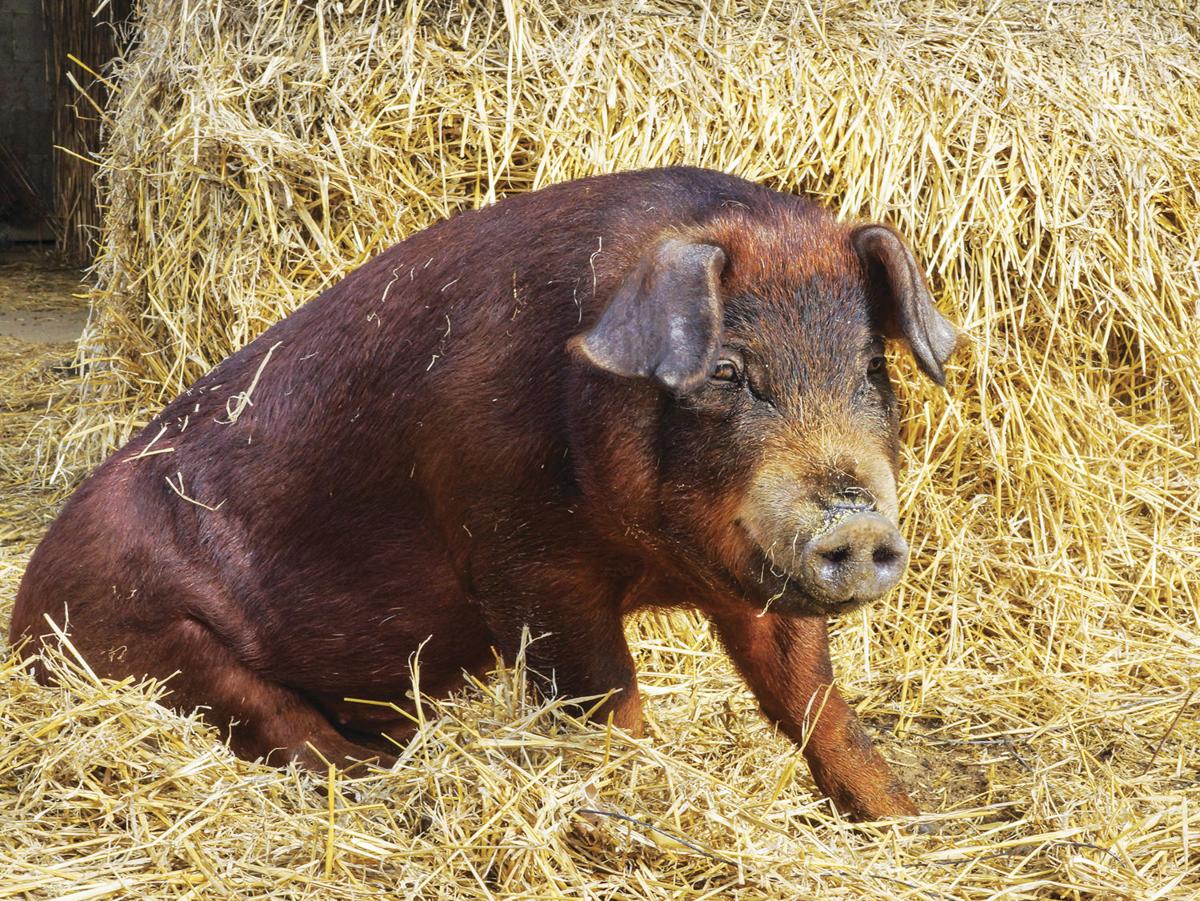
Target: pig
x=660, y=388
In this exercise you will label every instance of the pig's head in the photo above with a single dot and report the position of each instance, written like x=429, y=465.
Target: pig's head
x=759, y=436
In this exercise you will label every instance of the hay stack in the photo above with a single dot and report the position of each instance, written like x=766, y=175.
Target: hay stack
x=1039, y=667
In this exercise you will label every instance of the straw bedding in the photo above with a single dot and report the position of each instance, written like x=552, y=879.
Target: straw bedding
x=1037, y=676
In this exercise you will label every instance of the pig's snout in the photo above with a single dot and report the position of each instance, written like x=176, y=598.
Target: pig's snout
x=860, y=559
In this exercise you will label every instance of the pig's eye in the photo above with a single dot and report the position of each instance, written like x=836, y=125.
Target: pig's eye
x=876, y=366
x=726, y=371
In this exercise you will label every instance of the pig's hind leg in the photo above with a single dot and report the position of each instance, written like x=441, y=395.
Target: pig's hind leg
x=261, y=718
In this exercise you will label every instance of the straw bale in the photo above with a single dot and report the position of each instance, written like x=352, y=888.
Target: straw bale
x=1036, y=678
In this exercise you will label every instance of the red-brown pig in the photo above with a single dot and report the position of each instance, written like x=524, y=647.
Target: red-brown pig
x=656, y=388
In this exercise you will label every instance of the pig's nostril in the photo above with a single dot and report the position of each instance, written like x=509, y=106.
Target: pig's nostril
x=885, y=556
x=837, y=555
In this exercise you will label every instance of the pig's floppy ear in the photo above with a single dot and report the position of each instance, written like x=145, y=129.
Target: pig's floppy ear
x=902, y=301
x=664, y=321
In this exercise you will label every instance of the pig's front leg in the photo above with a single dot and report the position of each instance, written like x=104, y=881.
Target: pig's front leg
x=577, y=646
x=785, y=661
x=577, y=654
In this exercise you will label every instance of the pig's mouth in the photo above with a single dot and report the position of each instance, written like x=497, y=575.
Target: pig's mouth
x=776, y=590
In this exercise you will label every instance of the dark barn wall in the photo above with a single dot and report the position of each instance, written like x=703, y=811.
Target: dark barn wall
x=25, y=114
x=92, y=31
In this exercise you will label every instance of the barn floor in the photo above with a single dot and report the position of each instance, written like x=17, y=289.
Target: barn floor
x=41, y=316
x=39, y=298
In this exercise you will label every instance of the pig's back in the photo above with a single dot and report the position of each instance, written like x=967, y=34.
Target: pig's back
x=462, y=325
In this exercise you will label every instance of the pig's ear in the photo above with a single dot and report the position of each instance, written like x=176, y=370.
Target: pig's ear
x=664, y=322
x=901, y=298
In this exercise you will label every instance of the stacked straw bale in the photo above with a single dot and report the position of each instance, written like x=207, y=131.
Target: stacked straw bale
x=1035, y=677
